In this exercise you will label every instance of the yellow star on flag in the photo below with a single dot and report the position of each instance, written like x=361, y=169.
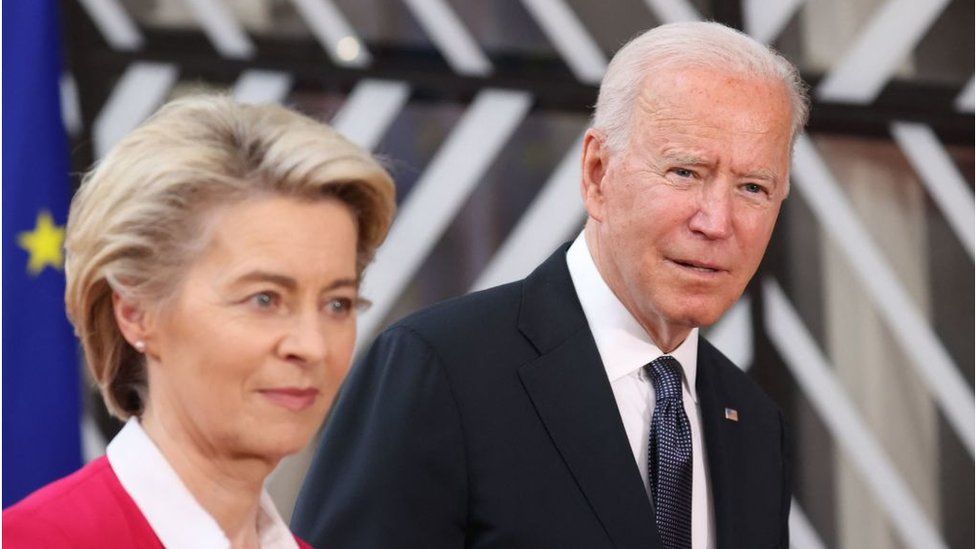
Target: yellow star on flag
x=43, y=244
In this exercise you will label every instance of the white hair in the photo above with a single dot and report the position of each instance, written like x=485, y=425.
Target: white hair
x=689, y=44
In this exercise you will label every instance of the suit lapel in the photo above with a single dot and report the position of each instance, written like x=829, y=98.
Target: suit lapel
x=569, y=389
x=721, y=441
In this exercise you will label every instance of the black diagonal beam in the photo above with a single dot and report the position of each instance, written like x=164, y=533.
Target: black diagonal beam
x=97, y=67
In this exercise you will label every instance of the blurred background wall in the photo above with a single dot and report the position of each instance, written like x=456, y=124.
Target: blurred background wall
x=860, y=322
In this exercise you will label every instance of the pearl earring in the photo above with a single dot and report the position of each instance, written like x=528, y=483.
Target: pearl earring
x=140, y=346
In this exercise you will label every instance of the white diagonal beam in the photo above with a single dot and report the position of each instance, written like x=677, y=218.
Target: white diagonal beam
x=895, y=28
x=70, y=106
x=139, y=91
x=940, y=175
x=814, y=375
x=453, y=173
x=93, y=443
x=732, y=334
x=226, y=35
x=336, y=35
x=673, y=11
x=258, y=86
x=369, y=110
x=764, y=20
x=802, y=533
x=572, y=41
x=549, y=221
x=966, y=100
x=451, y=37
x=919, y=342
x=114, y=24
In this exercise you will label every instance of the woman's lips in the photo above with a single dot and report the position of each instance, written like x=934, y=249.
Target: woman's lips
x=292, y=398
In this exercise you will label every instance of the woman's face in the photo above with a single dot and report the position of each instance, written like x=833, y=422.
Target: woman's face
x=247, y=356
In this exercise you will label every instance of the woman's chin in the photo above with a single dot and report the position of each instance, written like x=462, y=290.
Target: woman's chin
x=273, y=452
x=273, y=442
x=283, y=432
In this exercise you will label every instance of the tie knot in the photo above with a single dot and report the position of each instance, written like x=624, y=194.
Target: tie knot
x=666, y=375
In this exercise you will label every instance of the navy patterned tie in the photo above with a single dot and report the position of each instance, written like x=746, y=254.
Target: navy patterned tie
x=669, y=455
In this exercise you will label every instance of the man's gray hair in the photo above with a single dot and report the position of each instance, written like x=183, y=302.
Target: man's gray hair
x=689, y=44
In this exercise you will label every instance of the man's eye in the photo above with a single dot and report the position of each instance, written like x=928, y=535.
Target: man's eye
x=682, y=172
x=754, y=188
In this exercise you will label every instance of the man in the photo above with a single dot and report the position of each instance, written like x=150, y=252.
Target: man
x=579, y=407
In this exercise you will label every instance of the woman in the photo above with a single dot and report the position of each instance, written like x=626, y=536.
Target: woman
x=213, y=262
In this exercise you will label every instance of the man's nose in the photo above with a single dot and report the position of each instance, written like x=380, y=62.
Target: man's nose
x=713, y=217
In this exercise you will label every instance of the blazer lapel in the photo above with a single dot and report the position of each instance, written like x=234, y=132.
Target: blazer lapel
x=720, y=442
x=569, y=388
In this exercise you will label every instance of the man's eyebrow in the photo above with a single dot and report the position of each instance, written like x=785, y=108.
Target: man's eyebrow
x=763, y=174
x=685, y=157
x=289, y=282
x=691, y=158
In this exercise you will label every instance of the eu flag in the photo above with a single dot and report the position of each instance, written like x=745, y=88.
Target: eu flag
x=41, y=387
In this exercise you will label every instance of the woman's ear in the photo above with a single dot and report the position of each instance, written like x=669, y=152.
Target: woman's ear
x=133, y=319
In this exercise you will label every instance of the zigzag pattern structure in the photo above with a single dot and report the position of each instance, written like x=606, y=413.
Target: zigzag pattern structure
x=556, y=214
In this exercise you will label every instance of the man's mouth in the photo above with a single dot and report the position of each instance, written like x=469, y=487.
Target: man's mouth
x=698, y=266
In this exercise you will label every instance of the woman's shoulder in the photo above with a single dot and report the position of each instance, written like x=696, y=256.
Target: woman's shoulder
x=92, y=474
x=88, y=508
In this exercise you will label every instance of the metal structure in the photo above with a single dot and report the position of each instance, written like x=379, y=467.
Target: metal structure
x=119, y=71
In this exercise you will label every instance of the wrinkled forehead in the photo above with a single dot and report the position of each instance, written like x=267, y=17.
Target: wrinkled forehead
x=733, y=108
x=706, y=92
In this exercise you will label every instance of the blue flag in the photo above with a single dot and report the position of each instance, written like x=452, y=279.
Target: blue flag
x=41, y=386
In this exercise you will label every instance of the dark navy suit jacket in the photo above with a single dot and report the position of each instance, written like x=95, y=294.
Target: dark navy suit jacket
x=488, y=421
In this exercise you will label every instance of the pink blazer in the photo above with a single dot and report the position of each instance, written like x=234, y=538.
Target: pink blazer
x=88, y=508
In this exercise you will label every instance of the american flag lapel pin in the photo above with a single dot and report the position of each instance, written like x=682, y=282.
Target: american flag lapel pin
x=731, y=414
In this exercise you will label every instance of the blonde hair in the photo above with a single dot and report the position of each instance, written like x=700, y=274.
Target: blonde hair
x=688, y=44
x=138, y=219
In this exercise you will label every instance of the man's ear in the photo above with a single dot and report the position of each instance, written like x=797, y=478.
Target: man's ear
x=594, y=167
x=133, y=320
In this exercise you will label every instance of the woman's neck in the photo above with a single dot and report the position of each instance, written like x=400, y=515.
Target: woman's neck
x=228, y=488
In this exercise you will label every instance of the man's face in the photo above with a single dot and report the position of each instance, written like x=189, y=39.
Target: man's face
x=682, y=215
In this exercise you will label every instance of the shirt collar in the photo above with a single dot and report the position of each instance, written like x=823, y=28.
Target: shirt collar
x=623, y=344
x=171, y=510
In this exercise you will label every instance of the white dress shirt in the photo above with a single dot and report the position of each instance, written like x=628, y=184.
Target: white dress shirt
x=169, y=507
x=625, y=349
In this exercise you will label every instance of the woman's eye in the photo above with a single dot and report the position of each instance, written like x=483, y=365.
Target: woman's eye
x=340, y=306
x=264, y=300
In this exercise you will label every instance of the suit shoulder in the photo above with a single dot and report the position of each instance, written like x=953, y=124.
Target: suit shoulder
x=473, y=337
x=472, y=314
x=735, y=380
